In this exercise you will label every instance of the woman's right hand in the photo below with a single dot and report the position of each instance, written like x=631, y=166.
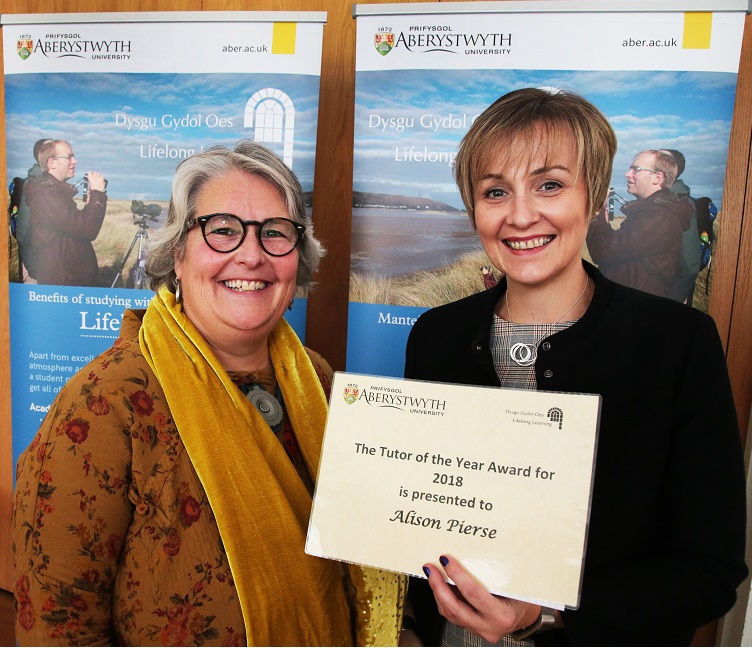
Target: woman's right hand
x=468, y=604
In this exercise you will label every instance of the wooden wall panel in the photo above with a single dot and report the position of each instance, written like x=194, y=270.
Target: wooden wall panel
x=93, y=6
x=6, y=464
x=332, y=206
x=731, y=302
x=731, y=297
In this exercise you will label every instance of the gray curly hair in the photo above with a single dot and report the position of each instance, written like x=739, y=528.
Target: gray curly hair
x=191, y=176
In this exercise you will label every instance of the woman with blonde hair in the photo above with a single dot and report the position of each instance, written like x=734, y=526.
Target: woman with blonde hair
x=666, y=539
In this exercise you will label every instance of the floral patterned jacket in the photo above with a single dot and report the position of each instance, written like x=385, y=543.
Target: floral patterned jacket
x=113, y=536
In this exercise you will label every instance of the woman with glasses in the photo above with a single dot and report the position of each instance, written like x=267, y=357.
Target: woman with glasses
x=165, y=499
x=666, y=536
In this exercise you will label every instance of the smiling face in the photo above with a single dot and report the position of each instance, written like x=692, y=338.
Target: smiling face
x=236, y=299
x=531, y=212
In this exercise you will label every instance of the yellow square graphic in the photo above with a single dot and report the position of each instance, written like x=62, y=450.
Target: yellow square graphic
x=697, y=30
x=283, y=38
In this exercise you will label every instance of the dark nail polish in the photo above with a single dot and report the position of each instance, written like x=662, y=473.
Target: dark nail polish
x=427, y=572
x=444, y=560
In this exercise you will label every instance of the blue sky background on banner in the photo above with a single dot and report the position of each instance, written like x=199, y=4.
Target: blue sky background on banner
x=688, y=111
x=84, y=109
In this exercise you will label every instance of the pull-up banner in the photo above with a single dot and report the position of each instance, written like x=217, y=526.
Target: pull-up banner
x=664, y=73
x=133, y=95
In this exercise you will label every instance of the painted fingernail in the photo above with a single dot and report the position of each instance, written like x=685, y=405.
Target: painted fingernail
x=444, y=560
x=427, y=572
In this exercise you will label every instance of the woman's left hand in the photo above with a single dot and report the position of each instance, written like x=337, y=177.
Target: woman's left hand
x=470, y=605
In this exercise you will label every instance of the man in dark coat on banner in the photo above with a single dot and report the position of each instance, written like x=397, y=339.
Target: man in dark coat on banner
x=645, y=251
x=61, y=235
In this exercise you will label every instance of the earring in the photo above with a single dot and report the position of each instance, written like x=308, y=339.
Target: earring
x=291, y=303
x=177, y=291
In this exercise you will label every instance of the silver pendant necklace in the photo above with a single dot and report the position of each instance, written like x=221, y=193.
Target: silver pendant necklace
x=525, y=354
x=267, y=405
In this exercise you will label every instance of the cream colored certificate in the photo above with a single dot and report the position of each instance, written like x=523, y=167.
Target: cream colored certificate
x=499, y=478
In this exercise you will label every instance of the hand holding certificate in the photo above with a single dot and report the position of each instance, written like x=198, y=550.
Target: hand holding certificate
x=500, y=479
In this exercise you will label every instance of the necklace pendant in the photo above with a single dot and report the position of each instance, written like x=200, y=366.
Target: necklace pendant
x=524, y=354
x=267, y=405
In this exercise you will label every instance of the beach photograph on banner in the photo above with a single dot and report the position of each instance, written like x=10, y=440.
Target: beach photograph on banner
x=413, y=244
x=421, y=81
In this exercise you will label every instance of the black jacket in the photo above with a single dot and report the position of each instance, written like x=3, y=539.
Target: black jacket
x=666, y=542
x=61, y=235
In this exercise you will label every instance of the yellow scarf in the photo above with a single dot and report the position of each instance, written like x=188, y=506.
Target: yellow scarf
x=260, y=504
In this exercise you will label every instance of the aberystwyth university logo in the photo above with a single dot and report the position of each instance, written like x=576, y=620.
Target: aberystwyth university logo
x=24, y=45
x=392, y=397
x=56, y=46
x=427, y=39
x=383, y=40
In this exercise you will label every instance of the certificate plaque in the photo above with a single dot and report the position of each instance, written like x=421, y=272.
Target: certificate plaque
x=498, y=478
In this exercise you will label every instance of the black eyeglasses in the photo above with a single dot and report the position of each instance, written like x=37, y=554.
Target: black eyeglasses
x=226, y=233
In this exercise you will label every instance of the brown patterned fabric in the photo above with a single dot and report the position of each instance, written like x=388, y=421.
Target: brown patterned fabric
x=114, y=539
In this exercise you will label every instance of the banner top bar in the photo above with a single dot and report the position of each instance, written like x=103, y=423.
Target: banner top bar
x=164, y=16
x=568, y=6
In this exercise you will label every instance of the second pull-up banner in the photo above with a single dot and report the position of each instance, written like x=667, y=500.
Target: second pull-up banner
x=663, y=73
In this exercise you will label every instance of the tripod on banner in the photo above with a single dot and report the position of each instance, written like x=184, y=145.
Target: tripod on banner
x=142, y=214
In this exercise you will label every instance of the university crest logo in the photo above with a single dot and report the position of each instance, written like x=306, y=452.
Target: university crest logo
x=24, y=47
x=384, y=42
x=351, y=394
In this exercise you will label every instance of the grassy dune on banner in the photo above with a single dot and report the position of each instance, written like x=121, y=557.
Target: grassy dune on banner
x=430, y=288
x=426, y=288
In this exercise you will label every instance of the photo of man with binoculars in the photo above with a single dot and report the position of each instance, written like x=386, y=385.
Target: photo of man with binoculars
x=60, y=234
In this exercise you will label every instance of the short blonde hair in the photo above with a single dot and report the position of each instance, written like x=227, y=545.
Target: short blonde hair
x=47, y=151
x=519, y=116
x=666, y=163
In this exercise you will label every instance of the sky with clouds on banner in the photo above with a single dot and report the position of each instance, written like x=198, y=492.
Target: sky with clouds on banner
x=90, y=110
x=687, y=111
